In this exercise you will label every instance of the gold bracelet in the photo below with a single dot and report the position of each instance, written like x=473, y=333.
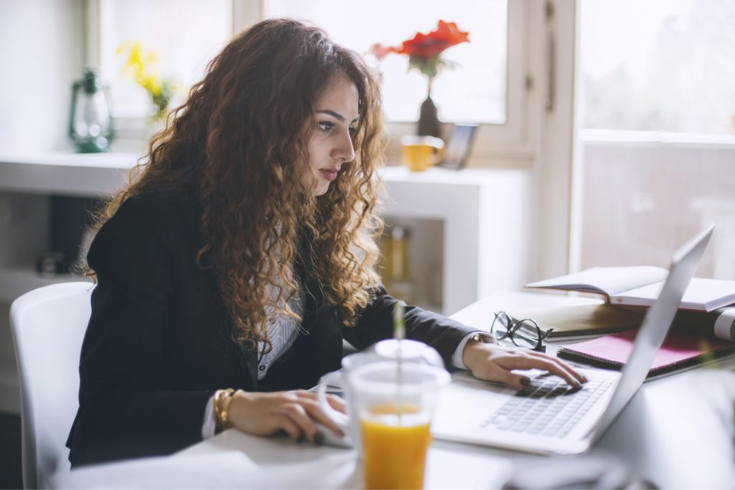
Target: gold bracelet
x=222, y=400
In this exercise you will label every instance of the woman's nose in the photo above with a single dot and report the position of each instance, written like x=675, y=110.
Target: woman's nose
x=344, y=148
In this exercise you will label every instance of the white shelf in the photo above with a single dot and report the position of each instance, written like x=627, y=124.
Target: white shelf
x=76, y=174
x=15, y=282
x=486, y=214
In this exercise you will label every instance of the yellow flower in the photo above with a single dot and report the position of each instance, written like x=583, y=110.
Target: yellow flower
x=142, y=66
x=150, y=83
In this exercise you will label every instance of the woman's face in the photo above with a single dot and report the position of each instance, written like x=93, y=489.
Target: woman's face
x=335, y=121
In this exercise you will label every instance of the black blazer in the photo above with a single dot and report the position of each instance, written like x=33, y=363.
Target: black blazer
x=158, y=343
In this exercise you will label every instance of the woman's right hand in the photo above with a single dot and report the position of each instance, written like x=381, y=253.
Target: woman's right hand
x=293, y=412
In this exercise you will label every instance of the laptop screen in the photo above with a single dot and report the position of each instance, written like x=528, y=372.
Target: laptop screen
x=656, y=325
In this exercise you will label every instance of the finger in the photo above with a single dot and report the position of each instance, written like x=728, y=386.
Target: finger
x=547, y=364
x=316, y=413
x=337, y=403
x=288, y=426
x=563, y=365
x=496, y=373
x=522, y=360
x=298, y=415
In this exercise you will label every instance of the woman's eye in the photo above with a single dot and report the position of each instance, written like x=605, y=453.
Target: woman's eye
x=326, y=126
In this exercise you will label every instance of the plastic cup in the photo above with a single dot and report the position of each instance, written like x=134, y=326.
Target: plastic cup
x=394, y=406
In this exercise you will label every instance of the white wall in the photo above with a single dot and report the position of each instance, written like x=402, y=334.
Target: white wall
x=41, y=55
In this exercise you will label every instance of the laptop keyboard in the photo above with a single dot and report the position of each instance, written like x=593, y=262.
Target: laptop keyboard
x=548, y=407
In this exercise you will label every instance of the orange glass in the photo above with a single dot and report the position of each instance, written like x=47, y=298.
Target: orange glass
x=395, y=441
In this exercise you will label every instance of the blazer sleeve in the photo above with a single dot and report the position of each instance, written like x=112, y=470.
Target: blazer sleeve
x=376, y=323
x=127, y=408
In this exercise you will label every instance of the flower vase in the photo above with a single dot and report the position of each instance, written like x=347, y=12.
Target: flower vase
x=428, y=117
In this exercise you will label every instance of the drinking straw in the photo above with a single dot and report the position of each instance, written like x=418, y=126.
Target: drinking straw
x=399, y=327
x=399, y=333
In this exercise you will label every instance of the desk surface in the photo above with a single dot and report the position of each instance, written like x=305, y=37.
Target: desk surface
x=677, y=432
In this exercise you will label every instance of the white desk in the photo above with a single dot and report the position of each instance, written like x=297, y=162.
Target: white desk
x=677, y=432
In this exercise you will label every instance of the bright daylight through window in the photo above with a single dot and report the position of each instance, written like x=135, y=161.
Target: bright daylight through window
x=658, y=112
x=158, y=28
x=659, y=65
x=474, y=91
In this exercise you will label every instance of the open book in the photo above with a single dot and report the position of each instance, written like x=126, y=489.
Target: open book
x=640, y=286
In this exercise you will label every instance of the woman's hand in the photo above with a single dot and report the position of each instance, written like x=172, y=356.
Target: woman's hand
x=493, y=362
x=293, y=412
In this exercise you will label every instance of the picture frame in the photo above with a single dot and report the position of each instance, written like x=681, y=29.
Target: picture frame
x=459, y=145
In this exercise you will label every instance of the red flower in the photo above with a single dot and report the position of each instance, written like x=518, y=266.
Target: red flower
x=380, y=51
x=446, y=35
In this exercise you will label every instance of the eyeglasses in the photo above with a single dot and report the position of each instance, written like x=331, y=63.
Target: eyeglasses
x=523, y=333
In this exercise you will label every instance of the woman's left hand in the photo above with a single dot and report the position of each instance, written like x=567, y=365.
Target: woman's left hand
x=493, y=362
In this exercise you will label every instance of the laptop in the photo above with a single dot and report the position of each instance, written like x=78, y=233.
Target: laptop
x=549, y=417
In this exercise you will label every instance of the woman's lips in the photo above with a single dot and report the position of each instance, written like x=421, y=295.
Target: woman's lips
x=330, y=175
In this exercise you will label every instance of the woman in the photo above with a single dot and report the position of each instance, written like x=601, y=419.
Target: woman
x=244, y=253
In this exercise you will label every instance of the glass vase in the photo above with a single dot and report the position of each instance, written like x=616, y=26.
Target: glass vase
x=429, y=124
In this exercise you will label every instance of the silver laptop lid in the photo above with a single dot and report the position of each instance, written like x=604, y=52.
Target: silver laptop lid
x=656, y=325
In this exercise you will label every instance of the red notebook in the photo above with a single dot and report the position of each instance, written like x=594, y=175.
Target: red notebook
x=679, y=351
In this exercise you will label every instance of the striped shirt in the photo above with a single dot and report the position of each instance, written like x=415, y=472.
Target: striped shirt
x=282, y=331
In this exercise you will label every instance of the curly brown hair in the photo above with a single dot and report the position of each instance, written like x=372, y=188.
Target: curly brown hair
x=240, y=145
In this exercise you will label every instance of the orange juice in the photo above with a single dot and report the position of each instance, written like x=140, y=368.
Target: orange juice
x=395, y=441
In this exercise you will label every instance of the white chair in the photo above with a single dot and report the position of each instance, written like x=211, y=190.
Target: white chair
x=48, y=326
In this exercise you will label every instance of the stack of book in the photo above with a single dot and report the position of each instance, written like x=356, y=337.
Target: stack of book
x=703, y=330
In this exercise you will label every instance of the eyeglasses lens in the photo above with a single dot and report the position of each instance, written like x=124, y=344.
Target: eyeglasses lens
x=502, y=324
x=525, y=334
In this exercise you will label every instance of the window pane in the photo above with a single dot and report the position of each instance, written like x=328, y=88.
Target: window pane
x=185, y=34
x=474, y=91
x=662, y=65
x=642, y=202
x=655, y=68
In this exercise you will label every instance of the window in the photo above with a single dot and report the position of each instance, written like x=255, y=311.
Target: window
x=185, y=35
x=489, y=86
x=659, y=65
x=658, y=138
x=474, y=91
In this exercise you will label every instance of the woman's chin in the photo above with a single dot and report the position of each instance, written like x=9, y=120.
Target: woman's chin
x=321, y=189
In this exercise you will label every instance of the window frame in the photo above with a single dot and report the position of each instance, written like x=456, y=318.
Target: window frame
x=512, y=141
x=494, y=143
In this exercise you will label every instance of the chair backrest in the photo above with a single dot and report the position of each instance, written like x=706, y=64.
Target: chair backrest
x=48, y=326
